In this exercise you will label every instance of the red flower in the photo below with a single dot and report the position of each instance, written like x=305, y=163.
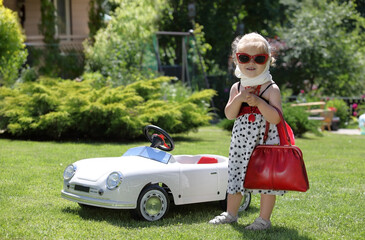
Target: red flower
x=333, y=109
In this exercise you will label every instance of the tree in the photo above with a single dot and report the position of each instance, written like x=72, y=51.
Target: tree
x=222, y=21
x=96, y=17
x=12, y=49
x=47, y=27
x=324, y=50
x=119, y=48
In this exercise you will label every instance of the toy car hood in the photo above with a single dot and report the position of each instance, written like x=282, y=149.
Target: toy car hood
x=135, y=161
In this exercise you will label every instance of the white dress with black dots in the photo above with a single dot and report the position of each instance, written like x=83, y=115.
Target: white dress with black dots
x=245, y=136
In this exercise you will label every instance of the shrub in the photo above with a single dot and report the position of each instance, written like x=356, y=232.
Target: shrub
x=341, y=110
x=360, y=109
x=226, y=124
x=297, y=118
x=12, y=50
x=129, y=32
x=28, y=75
x=57, y=109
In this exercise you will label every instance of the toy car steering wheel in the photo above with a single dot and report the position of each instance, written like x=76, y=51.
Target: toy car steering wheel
x=159, y=138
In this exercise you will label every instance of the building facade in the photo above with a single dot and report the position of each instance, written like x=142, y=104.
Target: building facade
x=72, y=20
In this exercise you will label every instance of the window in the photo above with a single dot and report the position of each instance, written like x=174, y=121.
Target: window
x=63, y=12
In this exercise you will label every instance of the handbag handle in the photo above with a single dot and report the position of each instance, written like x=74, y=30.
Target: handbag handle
x=282, y=121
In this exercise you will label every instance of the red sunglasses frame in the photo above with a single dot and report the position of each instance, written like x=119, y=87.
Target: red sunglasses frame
x=252, y=57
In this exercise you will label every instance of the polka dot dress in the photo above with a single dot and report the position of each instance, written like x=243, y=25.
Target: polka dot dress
x=245, y=136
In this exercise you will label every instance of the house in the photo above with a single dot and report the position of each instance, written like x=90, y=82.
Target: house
x=72, y=21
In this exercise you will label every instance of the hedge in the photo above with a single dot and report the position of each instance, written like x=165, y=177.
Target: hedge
x=63, y=109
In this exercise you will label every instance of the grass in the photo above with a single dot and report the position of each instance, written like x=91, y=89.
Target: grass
x=31, y=206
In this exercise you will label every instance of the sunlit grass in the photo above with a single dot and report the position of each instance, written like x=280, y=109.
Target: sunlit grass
x=31, y=206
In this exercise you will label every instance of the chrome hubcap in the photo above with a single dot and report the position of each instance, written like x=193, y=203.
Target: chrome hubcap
x=153, y=205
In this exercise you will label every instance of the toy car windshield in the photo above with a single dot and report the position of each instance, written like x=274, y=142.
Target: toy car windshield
x=150, y=153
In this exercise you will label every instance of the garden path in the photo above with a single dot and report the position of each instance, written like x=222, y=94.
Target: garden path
x=347, y=131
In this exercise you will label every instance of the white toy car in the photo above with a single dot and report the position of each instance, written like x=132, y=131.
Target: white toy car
x=148, y=179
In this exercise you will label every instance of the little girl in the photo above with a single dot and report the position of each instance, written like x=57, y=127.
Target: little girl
x=251, y=103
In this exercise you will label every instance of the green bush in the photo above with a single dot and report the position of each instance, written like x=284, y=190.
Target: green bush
x=297, y=118
x=12, y=50
x=226, y=124
x=62, y=109
x=360, y=109
x=129, y=32
x=28, y=75
x=341, y=110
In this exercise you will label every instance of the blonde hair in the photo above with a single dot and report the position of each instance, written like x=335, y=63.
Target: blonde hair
x=253, y=40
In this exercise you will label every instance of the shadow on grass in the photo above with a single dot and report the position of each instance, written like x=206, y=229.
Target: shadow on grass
x=272, y=233
x=178, y=214
x=142, y=141
x=189, y=214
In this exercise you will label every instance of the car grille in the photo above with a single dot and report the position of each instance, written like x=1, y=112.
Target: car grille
x=84, y=189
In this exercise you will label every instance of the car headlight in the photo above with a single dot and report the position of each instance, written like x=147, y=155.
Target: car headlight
x=69, y=172
x=114, y=180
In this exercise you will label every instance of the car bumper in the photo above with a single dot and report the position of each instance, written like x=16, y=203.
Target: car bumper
x=97, y=202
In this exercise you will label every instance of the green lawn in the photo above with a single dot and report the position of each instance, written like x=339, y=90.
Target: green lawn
x=31, y=206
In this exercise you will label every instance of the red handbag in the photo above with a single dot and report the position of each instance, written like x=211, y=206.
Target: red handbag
x=277, y=167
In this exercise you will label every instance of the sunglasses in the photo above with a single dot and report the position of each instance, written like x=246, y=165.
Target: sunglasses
x=245, y=58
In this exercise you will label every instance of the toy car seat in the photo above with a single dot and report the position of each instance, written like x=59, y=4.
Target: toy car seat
x=207, y=160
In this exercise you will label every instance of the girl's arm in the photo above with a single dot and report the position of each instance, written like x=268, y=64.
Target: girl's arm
x=269, y=113
x=235, y=101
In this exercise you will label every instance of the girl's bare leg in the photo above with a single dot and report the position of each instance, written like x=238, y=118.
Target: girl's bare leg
x=233, y=203
x=267, y=204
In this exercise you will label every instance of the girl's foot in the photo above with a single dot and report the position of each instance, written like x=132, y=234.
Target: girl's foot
x=224, y=218
x=259, y=224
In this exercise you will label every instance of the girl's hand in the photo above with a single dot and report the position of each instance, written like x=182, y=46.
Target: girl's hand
x=253, y=100
x=236, y=98
x=244, y=94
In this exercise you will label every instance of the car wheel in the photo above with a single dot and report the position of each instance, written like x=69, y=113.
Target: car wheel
x=245, y=202
x=153, y=203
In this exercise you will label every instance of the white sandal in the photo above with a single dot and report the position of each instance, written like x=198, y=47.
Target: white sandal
x=259, y=224
x=223, y=218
